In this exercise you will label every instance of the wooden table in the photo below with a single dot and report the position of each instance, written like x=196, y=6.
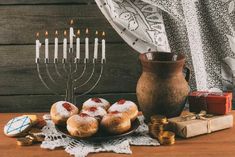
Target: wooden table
x=221, y=143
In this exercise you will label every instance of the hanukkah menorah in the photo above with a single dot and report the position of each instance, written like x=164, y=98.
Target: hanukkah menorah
x=70, y=70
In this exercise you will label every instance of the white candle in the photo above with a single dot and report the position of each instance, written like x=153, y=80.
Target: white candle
x=65, y=46
x=78, y=45
x=103, y=46
x=56, y=46
x=38, y=45
x=37, y=48
x=46, y=46
x=87, y=46
x=71, y=35
x=96, y=46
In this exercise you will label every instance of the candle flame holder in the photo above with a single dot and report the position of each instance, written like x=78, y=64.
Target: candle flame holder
x=67, y=74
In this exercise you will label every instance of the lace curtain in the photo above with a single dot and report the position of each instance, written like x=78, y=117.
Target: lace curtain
x=202, y=30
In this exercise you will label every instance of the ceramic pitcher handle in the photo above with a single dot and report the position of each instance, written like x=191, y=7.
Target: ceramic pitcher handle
x=188, y=73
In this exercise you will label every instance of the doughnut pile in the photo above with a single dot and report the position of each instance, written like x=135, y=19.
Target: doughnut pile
x=96, y=114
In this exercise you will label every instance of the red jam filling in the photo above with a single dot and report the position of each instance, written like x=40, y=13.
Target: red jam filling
x=67, y=106
x=93, y=109
x=83, y=115
x=121, y=102
x=114, y=112
x=97, y=100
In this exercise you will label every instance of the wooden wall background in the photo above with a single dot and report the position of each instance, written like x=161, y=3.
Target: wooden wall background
x=20, y=87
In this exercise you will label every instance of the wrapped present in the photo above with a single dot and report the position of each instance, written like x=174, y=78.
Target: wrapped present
x=197, y=124
x=212, y=102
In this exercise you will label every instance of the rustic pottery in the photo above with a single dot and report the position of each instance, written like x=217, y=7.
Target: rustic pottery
x=162, y=87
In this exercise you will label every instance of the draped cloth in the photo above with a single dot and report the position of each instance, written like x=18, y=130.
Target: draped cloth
x=201, y=29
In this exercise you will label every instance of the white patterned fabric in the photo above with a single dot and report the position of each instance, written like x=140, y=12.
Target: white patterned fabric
x=202, y=30
x=139, y=24
x=81, y=148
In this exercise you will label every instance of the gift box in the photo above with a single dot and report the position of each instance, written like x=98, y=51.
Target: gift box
x=212, y=102
x=195, y=125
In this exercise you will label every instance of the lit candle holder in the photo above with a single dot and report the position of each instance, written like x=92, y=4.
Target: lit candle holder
x=96, y=45
x=65, y=46
x=56, y=46
x=73, y=67
x=71, y=35
x=103, y=46
x=38, y=45
x=46, y=46
x=87, y=45
x=78, y=45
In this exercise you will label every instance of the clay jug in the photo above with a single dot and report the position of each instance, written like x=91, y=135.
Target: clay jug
x=162, y=87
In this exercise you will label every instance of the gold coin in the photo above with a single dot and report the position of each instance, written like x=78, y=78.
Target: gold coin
x=39, y=137
x=31, y=137
x=167, y=142
x=155, y=134
x=156, y=127
x=24, y=141
x=167, y=134
x=163, y=140
x=34, y=131
x=158, y=119
x=166, y=138
x=36, y=137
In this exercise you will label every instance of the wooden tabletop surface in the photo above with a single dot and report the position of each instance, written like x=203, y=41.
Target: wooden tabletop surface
x=221, y=143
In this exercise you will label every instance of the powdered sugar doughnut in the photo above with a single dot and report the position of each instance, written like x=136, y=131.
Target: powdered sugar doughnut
x=17, y=126
x=61, y=111
x=96, y=102
x=97, y=112
x=82, y=125
x=116, y=122
x=125, y=106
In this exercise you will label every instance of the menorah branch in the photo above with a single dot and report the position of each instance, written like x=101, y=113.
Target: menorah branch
x=96, y=83
x=89, y=78
x=58, y=72
x=82, y=74
x=43, y=81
